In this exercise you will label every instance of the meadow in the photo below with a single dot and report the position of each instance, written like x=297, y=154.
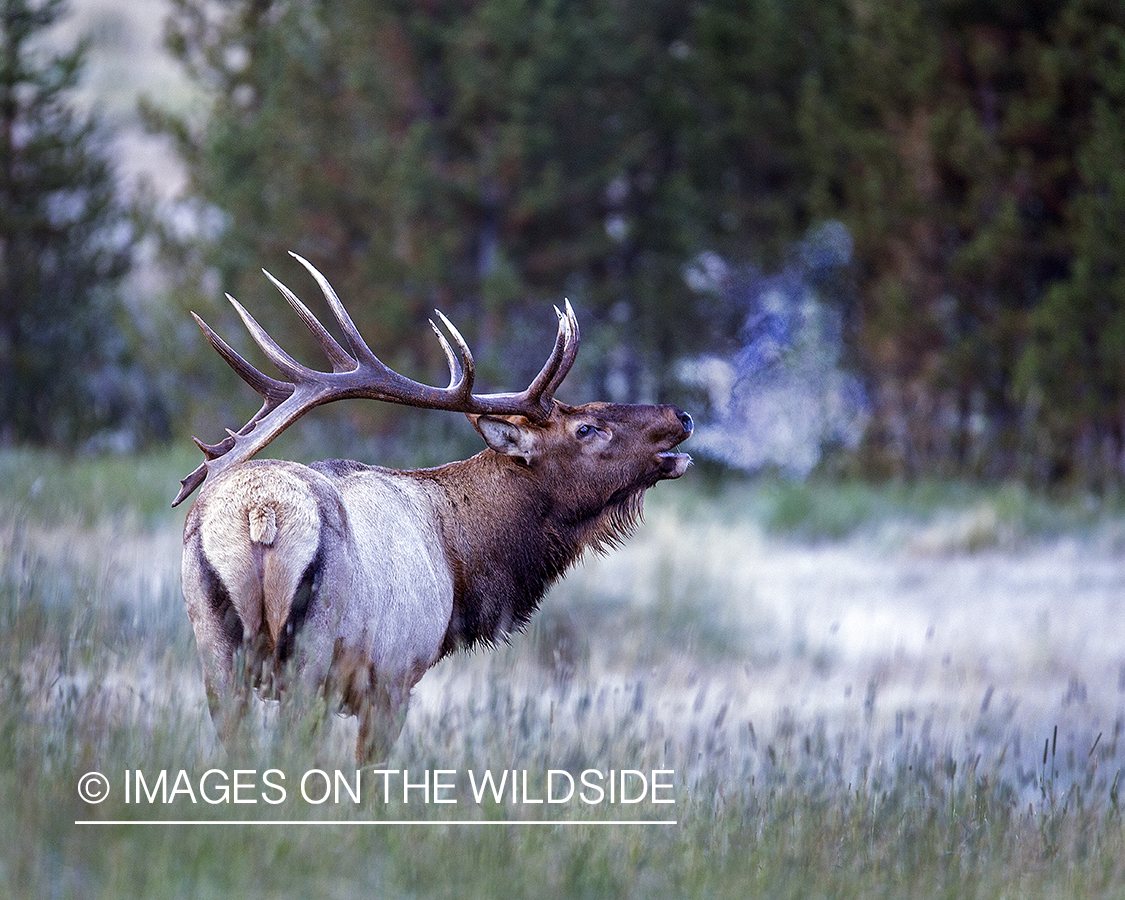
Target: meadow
x=899, y=691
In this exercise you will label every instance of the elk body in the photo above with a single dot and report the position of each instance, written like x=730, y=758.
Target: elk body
x=350, y=581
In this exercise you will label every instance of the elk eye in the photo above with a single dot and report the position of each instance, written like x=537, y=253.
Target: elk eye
x=585, y=430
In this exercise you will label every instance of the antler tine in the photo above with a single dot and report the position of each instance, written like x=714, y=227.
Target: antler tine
x=285, y=363
x=465, y=367
x=570, y=351
x=540, y=393
x=450, y=359
x=189, y=483
x=337, y=355
x=355, y=340
x=270, y=388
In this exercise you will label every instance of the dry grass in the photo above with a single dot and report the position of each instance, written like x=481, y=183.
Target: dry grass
x=902, y=710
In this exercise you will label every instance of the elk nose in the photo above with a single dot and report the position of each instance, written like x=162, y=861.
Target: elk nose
x=685, y=420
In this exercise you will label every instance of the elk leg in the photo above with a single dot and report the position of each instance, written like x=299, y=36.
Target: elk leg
x=228, y=698
x=302, y=659
x=219, y=637
x=379, y=728
x=382, y=714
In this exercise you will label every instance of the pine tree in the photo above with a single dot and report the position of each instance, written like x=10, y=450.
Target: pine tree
x=63, y=239
x=975, y=154
x=1071, y=371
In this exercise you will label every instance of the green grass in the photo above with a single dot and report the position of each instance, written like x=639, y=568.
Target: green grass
x=636, y=661
x=50, y=488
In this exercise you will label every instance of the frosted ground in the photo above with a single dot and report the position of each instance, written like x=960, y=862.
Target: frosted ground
x=953, y=633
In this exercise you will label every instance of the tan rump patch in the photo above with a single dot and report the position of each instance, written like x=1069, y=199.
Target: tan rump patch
x=260, y=528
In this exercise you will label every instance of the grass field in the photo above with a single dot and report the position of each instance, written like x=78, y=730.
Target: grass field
x=905, y=691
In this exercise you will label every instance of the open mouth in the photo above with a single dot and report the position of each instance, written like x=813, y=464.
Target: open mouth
x=673, y=465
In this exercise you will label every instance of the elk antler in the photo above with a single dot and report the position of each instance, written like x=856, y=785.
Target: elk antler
x=357, y=372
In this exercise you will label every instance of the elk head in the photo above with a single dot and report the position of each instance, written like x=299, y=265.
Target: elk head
x=605, y=455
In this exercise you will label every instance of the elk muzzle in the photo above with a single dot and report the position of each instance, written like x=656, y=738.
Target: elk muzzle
x=673, y=465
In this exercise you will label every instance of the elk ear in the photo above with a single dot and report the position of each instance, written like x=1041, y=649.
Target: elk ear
x=506, y=437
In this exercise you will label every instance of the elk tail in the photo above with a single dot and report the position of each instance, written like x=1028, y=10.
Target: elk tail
x=263, y=524
x=283, y=556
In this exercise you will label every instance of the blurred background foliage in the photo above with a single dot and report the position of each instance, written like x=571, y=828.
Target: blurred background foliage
x=64, y=247
x=661, y=164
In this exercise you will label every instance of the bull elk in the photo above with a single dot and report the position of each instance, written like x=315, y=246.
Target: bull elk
x=352, y=580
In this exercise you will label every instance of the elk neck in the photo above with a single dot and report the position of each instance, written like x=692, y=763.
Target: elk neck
x=508, y=538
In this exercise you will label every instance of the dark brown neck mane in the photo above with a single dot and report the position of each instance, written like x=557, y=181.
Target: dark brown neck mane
x=508, y=539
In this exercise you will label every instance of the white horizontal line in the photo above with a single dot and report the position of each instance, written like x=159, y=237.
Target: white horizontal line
x=374, y=822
